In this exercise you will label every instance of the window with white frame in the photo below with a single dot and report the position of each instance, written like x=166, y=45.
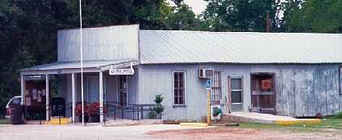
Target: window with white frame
x=216, y=95
x=236, y=90
x=179, y=88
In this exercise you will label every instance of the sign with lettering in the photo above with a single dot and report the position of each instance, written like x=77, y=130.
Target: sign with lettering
x=121, y=72
x=116, y=71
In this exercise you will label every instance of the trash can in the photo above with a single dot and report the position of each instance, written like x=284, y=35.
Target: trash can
x=58, y=106
x=17, y=114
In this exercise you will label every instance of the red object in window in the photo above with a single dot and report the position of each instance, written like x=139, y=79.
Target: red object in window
x=266, y=85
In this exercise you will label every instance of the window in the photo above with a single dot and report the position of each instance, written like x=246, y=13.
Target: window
x=236, y=90
x=179, y=88
x=216, y=95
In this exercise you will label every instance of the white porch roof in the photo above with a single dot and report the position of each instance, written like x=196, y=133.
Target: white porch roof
x=74, y=67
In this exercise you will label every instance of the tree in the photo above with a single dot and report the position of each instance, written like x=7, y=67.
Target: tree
x=313, y=16
x=182, y=18
x=28, y=29
x=241, y=15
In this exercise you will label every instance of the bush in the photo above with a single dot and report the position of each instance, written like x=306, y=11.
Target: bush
x=338, y=115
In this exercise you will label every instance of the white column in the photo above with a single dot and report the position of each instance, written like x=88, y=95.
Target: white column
x=101, y=96
x=47, y=96
x=73, y=96
x=22, y=89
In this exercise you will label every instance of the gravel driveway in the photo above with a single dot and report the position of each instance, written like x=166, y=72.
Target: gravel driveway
x=154, y=132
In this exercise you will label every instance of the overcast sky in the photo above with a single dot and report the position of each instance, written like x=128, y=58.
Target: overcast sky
x=197, y=6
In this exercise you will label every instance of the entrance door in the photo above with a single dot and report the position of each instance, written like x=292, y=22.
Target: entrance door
x=235, y=93
x=263, y=93
x=123, y=90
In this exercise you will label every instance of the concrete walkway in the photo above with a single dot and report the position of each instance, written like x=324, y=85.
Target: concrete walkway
x=268, y=118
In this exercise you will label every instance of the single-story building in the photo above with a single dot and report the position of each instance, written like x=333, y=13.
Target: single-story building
x=293, y=74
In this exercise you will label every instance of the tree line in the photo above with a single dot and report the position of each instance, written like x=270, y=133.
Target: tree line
x=28, y=28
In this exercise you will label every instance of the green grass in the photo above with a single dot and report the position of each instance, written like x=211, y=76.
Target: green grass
x=329, y=123
x=4, y=121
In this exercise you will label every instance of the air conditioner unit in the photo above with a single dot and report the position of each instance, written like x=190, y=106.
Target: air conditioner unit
x=216, y=112
x=205, y=73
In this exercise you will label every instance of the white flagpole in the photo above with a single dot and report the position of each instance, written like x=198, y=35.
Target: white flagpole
x=81, y=55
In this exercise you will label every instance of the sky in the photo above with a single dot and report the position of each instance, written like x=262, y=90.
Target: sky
x=198, y=6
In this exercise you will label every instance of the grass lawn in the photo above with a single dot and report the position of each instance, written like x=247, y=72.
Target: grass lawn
x=328, y=123
x=4, y=121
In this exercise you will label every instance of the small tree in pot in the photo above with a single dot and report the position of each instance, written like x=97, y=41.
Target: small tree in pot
x=158, y=109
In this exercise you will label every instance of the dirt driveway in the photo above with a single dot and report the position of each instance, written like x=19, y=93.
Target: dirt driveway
x=236, y=133
x=154, y=132
x=69, y=132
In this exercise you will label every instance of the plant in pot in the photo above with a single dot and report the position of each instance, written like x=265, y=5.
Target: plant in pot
x=94, y=111
x=79, y=112
x=159, y=108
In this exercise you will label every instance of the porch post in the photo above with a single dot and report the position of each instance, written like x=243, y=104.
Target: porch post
x=73, y=96
x=101, y=96
x=47, y=96
x=22, y=89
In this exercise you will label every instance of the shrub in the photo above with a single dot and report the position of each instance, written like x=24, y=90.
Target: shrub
x=338, y=115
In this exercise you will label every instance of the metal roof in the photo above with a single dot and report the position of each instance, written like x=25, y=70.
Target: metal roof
x=76, y=65
x=161, y=46
x=101, y=43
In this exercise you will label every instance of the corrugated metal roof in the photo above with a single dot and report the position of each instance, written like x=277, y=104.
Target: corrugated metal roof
x=102, y=43
x=160, y=46
x=75, y=65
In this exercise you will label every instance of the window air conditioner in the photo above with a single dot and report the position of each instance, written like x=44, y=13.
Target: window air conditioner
x=205, y=73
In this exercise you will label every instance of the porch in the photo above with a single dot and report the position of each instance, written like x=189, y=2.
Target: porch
x=102, y=97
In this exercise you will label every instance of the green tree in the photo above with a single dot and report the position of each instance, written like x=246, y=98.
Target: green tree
x=28, y=29
x=241, y=15
x=182, y=18
x=313, y=16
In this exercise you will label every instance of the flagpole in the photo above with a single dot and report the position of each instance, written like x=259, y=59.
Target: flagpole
x=81, y=55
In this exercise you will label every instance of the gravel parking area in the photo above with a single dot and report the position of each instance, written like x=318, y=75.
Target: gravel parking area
x=155, y=132
x=70, y=132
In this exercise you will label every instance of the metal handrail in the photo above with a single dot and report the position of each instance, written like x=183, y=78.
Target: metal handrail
x=116, y=110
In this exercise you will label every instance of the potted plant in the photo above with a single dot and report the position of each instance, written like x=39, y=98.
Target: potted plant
x=79, y=112
x=94, y=111
x=158, y=109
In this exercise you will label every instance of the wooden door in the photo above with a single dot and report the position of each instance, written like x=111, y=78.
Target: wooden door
x=263, y=101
